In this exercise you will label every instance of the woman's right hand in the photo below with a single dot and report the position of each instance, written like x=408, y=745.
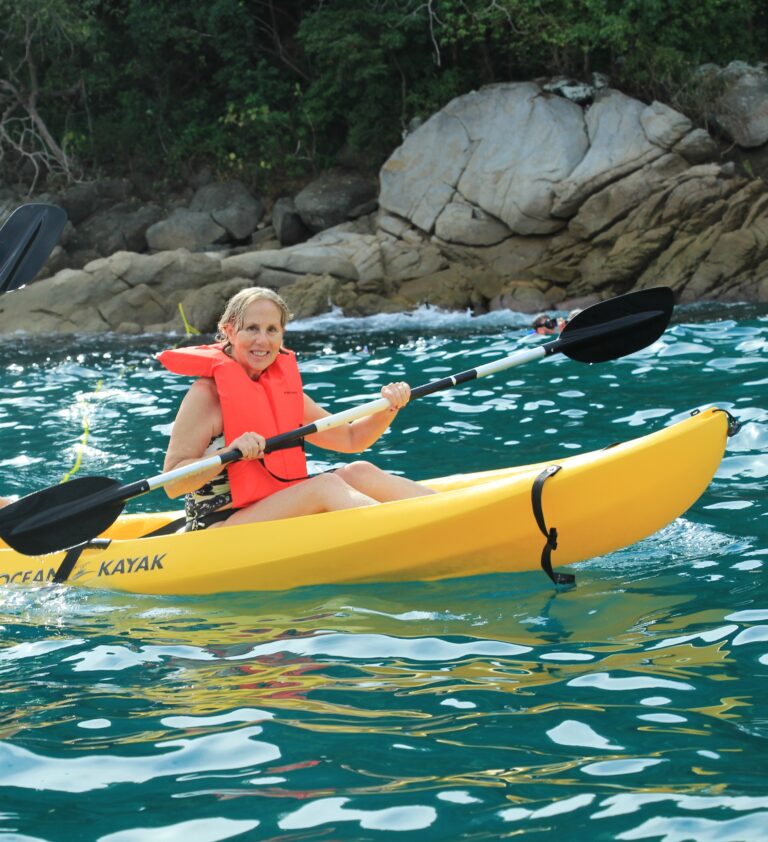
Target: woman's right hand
x=251, y=445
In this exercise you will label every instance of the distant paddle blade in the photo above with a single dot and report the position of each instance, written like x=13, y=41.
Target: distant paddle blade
x=60, y=516
x=617, y=327
x=26, y=241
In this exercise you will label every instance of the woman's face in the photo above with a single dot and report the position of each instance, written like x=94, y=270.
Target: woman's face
x=256, y=344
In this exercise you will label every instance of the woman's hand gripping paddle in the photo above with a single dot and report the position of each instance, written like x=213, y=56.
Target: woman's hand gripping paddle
x=65, y=515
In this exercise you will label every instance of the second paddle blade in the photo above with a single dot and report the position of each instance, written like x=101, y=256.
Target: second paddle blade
x=619, y=326
x=60, y=516
x=27, y=240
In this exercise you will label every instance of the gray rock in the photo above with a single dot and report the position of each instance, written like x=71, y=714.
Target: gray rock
x=366, y=208
x=276, y=278
x=461, y=223
x=219, y=195
x=186, y=229
x=403, y=262
x=204, y=305
x=169, y=270
x=230, y=205
x=122, y=227
x=697, y=147
x=663, y=125
x=417, y=183
x=239, y=221
x=503, y=149
x=618, y=199
x=523, y=296
x=311, y=296
x=287, y=223
x=300, y=260
x=264, y=235
x=741, y=110
x=329, y=199
x=144, y=305
x=618, y=145
x=86, y=198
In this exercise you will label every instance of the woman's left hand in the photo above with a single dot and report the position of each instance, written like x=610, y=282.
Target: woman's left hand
x=398, y=395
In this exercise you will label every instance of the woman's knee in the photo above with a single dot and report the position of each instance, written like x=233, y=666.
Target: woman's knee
x=356, y=471
x=327, y=485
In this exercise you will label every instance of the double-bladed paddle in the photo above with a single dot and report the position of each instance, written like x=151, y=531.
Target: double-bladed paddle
x=77, y=511
x=27, y=239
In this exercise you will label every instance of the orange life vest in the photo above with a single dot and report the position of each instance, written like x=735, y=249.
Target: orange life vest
x=270, y=405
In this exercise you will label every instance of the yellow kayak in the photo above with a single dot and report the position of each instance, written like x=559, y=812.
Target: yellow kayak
x=477, y=523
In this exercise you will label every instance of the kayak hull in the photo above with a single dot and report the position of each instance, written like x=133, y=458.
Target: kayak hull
x=476, y=524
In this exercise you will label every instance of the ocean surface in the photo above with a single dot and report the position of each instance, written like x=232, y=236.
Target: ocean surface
x=631, y=707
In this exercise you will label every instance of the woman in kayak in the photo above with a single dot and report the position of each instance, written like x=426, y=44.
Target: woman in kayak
x=250, y=389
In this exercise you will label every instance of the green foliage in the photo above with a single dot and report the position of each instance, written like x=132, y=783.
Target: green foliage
x=269, y=90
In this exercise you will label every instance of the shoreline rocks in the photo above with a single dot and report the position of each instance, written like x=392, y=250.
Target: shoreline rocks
x=533, y=202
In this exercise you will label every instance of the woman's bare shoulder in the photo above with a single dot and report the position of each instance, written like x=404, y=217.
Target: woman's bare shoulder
x=203, y=392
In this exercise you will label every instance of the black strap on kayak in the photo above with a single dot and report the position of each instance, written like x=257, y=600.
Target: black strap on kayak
x=167, y=528
x=734, y=425
x=549, y=534
x=73, y=554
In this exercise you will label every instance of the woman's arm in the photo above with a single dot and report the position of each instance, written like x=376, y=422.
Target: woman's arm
x=197, y=422
x=361, y=434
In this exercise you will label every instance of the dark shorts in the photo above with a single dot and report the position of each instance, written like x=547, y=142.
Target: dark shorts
x=204, y=521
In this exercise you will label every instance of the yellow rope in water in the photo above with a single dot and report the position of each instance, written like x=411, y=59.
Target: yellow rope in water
x=189, y=330
x=83, y=402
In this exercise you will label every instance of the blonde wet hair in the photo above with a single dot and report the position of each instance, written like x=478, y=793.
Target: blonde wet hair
x=234, y=312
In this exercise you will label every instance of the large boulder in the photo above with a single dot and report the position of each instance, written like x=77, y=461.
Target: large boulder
x=219, y=212
x=185, y=229
x=515, y=159
x=287, y=223
x=333, y=198
x=310, y=258
x=501, y=149
x=624, y=136
x=230, y=205
x=122, y=227
x=741, y=107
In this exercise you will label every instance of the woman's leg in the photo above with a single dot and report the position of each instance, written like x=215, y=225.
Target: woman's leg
x=323, y=493
x=380, y=485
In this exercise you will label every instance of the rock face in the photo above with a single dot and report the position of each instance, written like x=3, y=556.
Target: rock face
x=741, y=109
x=518, y=157
x=510, y=197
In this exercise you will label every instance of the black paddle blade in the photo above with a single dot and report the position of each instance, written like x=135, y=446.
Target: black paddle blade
x=26, y=241
x=617, y=327
x=60, y=516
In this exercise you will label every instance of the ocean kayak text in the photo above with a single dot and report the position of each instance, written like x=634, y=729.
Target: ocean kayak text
x=106, y=568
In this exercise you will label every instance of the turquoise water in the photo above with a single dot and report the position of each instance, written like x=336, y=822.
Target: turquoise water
x=632, y=707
